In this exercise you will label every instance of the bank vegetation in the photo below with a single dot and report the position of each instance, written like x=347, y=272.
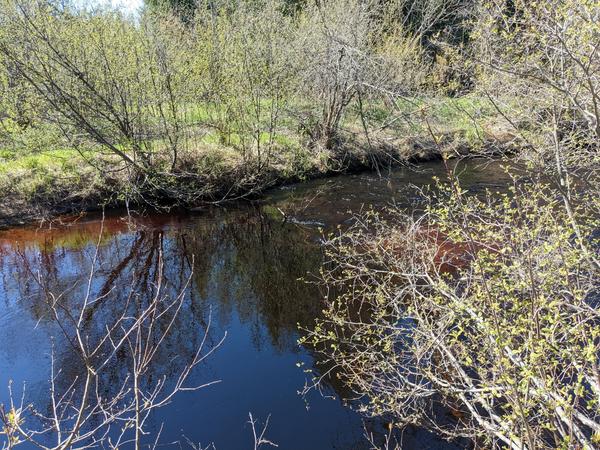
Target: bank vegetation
x=185, y=105
x=478, y=317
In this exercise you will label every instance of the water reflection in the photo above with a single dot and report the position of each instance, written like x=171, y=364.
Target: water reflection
x=245, y=268
x=244, y=264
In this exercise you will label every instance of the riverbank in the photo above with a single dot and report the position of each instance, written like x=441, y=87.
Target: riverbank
x=37, y=185
x=47, y=186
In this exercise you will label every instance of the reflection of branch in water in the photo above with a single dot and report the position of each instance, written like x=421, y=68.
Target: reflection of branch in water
x=133, y=253
x=293, y=210
x=88, y=407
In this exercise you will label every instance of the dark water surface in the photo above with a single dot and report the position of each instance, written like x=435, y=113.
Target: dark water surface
x=246, y=263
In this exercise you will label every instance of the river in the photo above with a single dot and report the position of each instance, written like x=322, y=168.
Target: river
x=245, y=262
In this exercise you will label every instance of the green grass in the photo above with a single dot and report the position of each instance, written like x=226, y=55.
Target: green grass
x=63, y=158
x=36, y=166
x=47, y=175
x=463, y=117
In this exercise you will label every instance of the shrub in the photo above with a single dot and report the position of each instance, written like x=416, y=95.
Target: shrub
x=484, y=307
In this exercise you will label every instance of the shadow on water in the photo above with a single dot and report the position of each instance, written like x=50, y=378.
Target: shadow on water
x=245, y=262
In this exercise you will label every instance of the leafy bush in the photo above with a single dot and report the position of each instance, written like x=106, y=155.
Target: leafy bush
x=485, y=307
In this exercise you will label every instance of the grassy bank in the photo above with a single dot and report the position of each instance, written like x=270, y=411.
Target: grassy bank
x=97, y=109
x=41, y=175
